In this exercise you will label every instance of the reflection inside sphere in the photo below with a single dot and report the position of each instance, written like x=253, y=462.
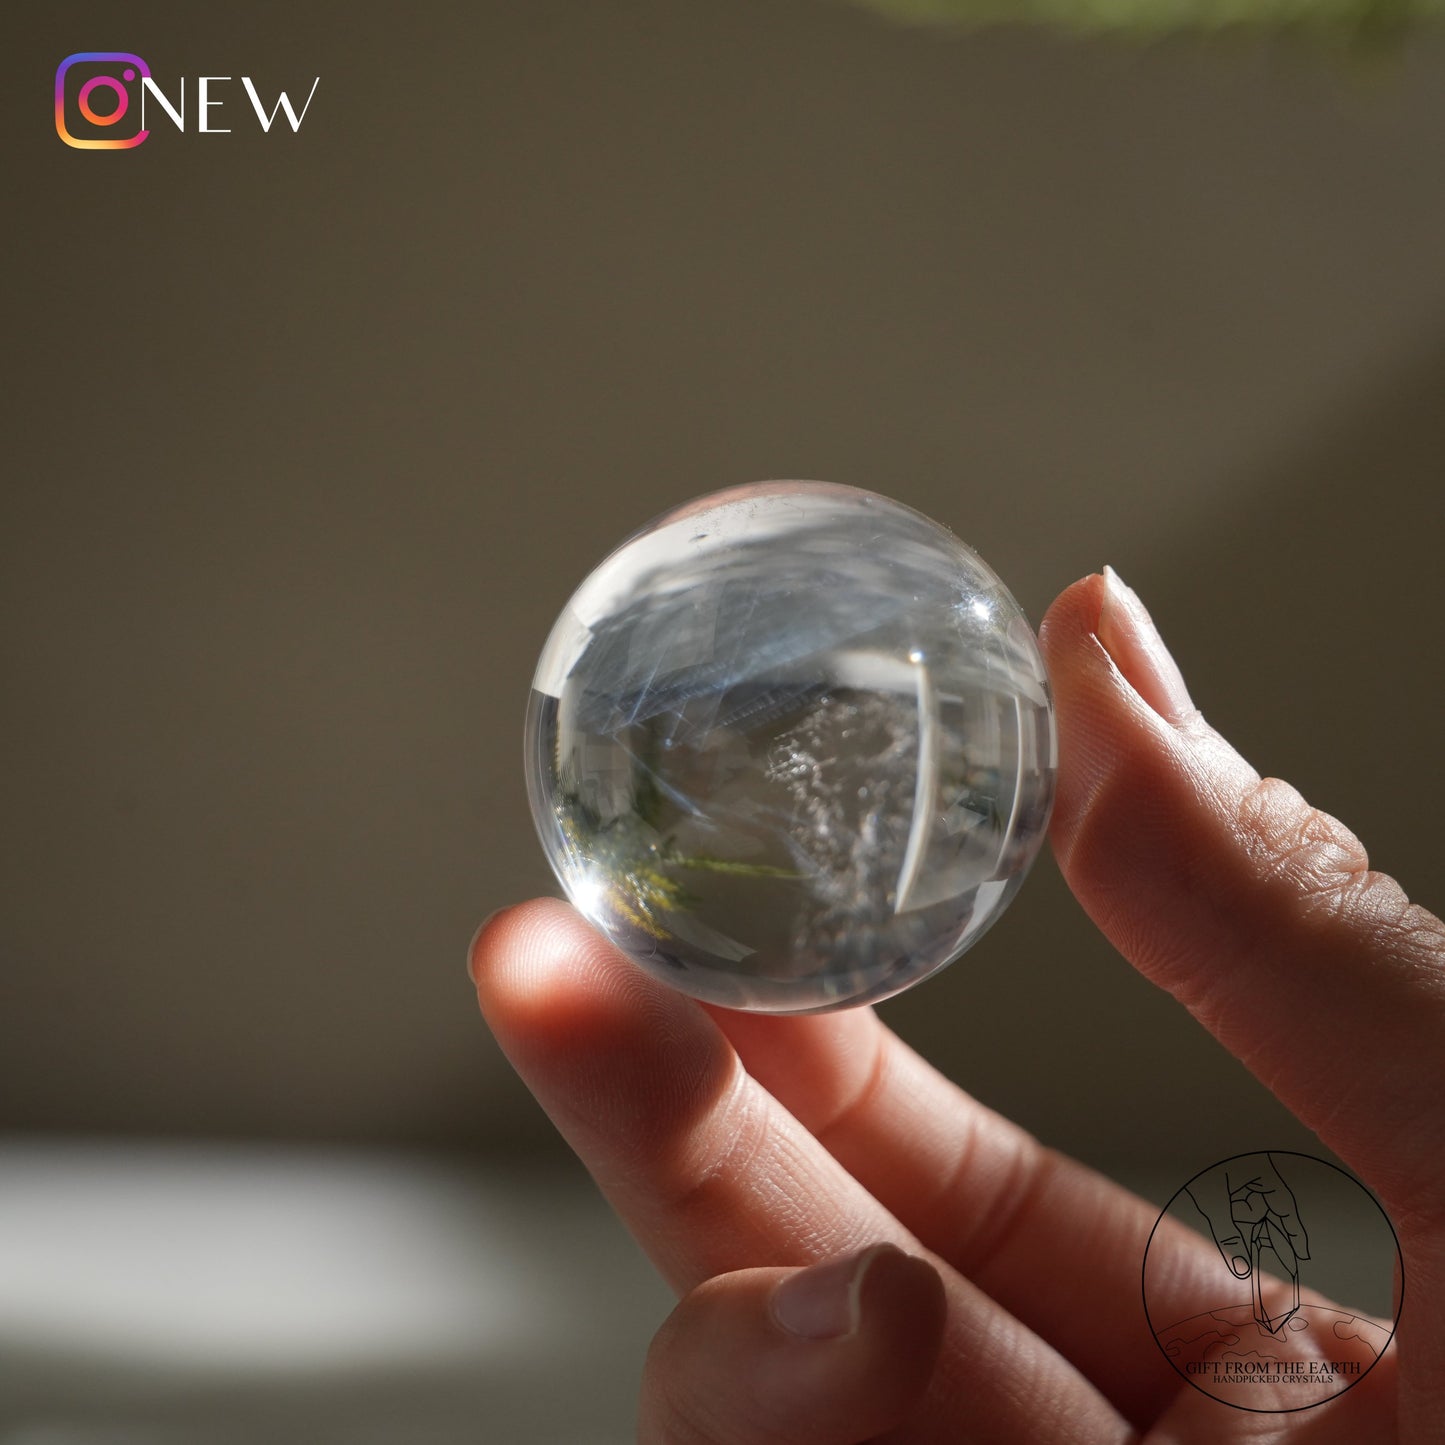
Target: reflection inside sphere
x=791, y=747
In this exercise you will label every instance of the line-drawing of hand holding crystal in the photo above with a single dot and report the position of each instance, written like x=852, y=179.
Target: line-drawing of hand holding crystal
x=1253, y=1216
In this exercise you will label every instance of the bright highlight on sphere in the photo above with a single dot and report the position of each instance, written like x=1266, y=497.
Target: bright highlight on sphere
x=791, y=747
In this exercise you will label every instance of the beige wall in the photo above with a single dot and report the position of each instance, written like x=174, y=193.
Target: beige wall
x=309, y=438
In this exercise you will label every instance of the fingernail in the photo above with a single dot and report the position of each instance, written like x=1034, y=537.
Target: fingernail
x=823, y=1301
x=1131, y=639
x=481, y=929
x=1240, y=1265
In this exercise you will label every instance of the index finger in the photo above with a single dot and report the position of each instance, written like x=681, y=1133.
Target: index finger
x=1225, y=887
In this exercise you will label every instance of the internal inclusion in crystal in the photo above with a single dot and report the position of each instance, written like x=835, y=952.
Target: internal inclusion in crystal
x=798, y=755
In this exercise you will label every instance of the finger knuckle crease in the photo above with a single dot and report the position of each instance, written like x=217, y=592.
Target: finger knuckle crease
x=862, y=1101
x=741, y=1120
x=1304, y=847
x=1005, y=1207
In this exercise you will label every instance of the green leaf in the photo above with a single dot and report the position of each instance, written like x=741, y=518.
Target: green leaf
x=1343, y=19
x=724, y=865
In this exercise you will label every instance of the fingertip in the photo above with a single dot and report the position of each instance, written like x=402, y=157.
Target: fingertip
x=1225, y=888
x=473, y=959
x=1073, y=613
x=840, y=1296
x=528, y=958
x=872, y=1376
x=902, y=1298
x=1104, y=725
x=513, y=951
x=875, y=1322
x=1101, y=619
x=624, y=1064
x=545, y=976
x=833, y=1352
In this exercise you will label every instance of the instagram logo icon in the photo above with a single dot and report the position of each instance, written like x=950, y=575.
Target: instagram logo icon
x=97, y=105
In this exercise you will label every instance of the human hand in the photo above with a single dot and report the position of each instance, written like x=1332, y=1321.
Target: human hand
x=1238, y=1196
x=1251, y=1212
x=761, y=1160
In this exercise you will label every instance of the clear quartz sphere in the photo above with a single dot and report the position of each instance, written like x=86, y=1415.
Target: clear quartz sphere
x=791, y=747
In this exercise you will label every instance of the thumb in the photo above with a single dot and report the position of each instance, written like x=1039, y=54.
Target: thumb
x=1258, y=912
x=828, y=1355
x=1210, y=1194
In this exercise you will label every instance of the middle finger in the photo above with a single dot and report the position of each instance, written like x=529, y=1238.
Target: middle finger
x=711, y=1174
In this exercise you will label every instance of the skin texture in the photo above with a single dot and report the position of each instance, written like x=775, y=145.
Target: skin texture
x=742, y=1149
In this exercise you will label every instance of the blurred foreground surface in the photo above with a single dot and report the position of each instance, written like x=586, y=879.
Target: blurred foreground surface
x=169, y=1294
x=182, y=1294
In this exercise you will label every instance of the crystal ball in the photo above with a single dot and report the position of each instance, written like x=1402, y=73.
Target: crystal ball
x=791, y=747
